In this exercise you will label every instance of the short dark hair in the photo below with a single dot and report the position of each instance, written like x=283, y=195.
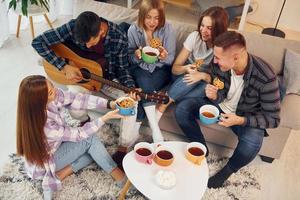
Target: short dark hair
x=229, y=39
x=87, y=25
x=219, y=18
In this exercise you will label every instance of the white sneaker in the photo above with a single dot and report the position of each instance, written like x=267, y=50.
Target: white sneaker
x=112, y=92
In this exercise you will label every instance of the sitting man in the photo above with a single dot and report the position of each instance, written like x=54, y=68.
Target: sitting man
x=91, y=37
x=249, y=101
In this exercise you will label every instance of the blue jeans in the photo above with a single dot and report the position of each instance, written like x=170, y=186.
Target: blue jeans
x=150, y=82
x=81, y=154
x=249, y=138
x=179, y=89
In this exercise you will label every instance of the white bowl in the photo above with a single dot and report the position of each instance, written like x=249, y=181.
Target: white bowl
x=165, y=179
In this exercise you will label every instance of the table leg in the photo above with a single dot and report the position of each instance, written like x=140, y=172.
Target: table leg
x=124, y=190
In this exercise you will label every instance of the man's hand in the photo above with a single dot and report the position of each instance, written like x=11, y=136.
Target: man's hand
x=114, y=114
x=72, y=73
x=133, y=94
x=163, y=53
x=211, y=91
x=231, y=119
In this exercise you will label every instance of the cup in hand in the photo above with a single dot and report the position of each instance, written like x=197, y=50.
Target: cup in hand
x=195, y=152
x=163, y=156
x=150, y=55
x=209, y=114
x=126, y=106
x=144, y=152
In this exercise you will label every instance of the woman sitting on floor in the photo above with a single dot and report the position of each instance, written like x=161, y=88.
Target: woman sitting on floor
x=53, y=149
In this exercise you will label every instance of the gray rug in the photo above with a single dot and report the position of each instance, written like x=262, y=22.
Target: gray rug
x=94, y=184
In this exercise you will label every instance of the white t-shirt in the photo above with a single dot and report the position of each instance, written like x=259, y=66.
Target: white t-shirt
x=229, y=104
x=198, y=48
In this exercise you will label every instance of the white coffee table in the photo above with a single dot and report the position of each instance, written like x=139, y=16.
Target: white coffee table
x=191, y=179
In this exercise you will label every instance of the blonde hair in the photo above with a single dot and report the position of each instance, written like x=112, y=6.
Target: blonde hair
x=146, y=6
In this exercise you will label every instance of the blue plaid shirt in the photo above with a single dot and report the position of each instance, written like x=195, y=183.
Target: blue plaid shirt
x=115, y=49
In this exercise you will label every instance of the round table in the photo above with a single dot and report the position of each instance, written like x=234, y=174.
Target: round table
x=191, y=179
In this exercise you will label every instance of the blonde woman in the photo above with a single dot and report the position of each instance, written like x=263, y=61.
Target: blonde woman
x=151, y=77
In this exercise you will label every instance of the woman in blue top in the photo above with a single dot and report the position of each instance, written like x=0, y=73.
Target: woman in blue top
x=151, y=77
x=196, y=48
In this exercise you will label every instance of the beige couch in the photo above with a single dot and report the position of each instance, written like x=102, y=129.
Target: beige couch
x=269, y=48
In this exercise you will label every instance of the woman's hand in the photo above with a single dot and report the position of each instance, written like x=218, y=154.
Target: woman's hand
x=192, y=77
x=190, y=68
x=114, y=114
x=163, y=53
x=138, y=53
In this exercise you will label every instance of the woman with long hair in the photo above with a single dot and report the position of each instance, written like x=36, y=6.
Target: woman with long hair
x=52, y=149
x=197, y=50
x=151, y=24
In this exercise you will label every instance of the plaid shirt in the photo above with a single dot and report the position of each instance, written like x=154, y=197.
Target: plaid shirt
x=260, y=100
x=115, y=49
x=57, y=131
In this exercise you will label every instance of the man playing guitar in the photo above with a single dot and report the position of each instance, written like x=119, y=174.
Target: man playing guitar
x=91, y=37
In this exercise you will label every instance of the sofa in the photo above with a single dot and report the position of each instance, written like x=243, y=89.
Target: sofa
x=271, y=49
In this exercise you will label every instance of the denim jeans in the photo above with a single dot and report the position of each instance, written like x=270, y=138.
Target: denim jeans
x=150, y=82
x=180, y=89
x=81, y=154
x=249, y=138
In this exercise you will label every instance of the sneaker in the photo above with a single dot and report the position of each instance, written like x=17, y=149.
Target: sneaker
x=118, y=157
x=112, y=92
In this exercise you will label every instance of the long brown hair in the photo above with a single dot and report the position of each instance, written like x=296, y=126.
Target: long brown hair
x=148, y=5
x=219, y=18
x=31, y=119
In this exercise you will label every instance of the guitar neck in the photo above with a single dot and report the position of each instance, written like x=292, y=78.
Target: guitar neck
x=110, y=83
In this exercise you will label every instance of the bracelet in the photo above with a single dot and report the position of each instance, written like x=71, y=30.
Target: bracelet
x=108, y=104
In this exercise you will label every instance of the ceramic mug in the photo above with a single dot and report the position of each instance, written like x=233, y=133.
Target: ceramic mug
x=150, y=55
x=163, y=156
x=209, y=114
x=126, y=111
x=144, y=152
x=195, y=152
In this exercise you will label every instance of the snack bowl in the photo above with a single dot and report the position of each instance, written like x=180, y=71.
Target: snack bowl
x=165, y=179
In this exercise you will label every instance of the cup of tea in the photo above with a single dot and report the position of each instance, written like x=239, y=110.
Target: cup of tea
x=209, y=114
x=163, y=156
x=195, y=152
x=144, y=152
x=126, y=106
x=150, y=55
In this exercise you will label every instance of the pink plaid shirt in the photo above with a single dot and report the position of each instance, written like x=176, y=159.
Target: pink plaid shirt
x=57, y=131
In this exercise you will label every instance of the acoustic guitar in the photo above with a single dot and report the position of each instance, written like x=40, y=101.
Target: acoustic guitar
x=92, y=75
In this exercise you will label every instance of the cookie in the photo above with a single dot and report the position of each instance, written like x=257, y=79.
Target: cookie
x=198, y=63
x=218, y=83
x=155, y=43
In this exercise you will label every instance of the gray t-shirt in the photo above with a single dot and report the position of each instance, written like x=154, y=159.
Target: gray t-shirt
x=198, y=48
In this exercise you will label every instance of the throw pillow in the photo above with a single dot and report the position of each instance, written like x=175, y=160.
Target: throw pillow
x=292, y=72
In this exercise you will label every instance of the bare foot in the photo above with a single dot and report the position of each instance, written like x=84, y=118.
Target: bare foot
x=117, y=174
x=64, y=172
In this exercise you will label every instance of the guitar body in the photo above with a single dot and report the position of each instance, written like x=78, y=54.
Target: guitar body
x=77, y=61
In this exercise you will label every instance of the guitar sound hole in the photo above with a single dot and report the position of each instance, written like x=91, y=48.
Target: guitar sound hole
x=85, y=74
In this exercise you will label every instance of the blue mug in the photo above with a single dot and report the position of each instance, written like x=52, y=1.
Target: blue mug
x=209, y=114
x=126, y=111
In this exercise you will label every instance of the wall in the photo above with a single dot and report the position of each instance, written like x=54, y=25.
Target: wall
x=268, y=11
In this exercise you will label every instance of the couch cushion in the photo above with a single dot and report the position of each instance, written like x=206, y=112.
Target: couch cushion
x=111, y=12
x=290, y=112
x=270, y=48
x=292, y=72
